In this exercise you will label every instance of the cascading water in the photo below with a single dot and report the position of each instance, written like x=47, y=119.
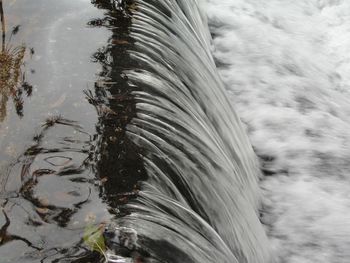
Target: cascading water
x=164, y=160
x=200, y=202
x=160, y=158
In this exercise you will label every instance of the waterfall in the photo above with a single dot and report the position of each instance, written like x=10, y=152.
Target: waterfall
x=201, y=199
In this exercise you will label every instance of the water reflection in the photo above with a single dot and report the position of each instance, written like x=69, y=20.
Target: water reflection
x=2, y=18
x=12, y=76
x=48, y=212
x=118, y=162
x=6, y=237
x=67, y=177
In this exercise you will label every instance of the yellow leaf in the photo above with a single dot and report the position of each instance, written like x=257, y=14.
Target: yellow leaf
x=93, y=238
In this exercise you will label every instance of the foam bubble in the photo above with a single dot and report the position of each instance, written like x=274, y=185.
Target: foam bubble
x=286, y=66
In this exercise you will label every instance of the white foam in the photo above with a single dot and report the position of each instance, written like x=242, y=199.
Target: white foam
x=286, y=65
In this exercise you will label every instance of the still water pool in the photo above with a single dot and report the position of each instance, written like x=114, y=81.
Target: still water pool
x=61, y=85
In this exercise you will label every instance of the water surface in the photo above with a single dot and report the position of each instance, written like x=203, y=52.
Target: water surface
x=62, y=121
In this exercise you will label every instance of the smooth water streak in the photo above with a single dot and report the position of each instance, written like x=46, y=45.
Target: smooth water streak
x=200, y=203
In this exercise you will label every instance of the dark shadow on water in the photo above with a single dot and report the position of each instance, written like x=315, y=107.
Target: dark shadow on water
x=118, y=161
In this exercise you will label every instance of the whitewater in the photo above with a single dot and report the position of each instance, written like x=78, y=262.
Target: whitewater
x=183, y=165
x=286, y=66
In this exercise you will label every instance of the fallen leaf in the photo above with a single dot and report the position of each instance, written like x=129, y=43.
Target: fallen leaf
x=93, y=238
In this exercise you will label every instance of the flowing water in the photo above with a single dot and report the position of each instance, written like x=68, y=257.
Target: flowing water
x=286, y=67
x=117, y=133
x=201, y=196
x=116, y=117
